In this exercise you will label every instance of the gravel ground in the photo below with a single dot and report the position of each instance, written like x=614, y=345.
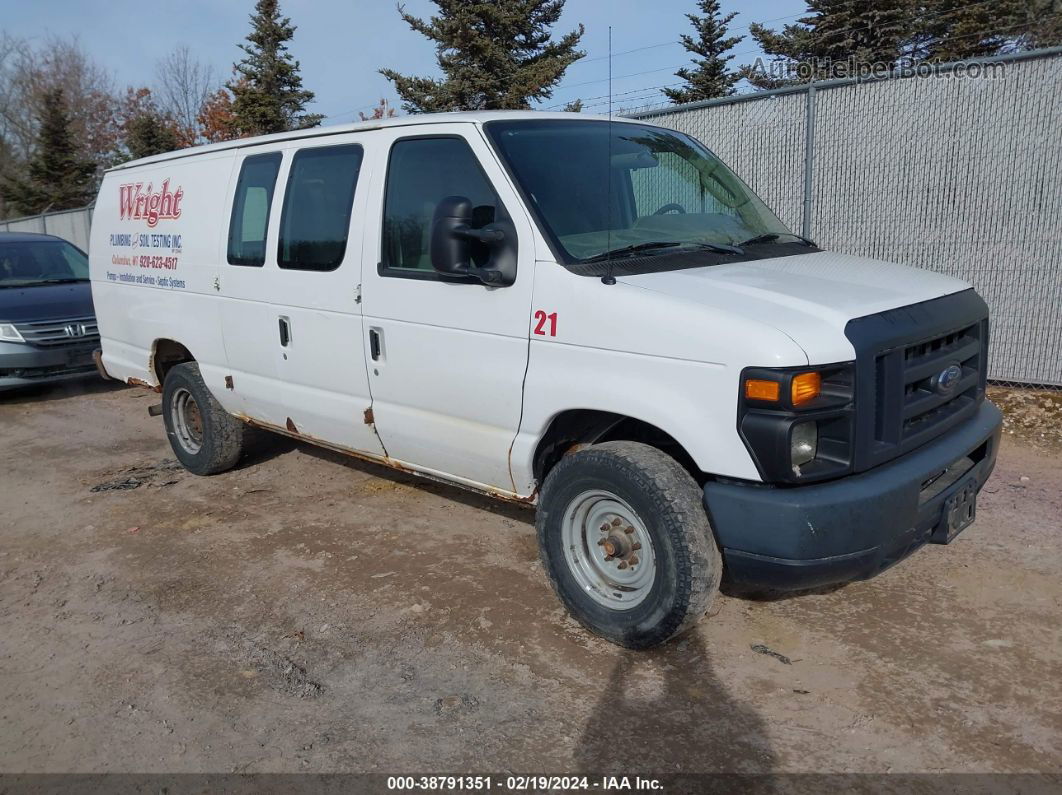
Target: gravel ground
x=307, y=612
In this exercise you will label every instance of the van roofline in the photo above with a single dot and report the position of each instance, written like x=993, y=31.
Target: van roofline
x=415, y=120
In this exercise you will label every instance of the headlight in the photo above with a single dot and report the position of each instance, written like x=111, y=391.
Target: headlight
x=803, y=444
x=8, y=333
x=798, y=422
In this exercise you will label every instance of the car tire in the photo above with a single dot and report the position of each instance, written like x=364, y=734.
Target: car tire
x=205, y=438
x=598, y=508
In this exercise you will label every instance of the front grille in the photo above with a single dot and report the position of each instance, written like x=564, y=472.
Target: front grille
x=52, y=333
x=924, y=406
x=909, y=406
x=901, y=355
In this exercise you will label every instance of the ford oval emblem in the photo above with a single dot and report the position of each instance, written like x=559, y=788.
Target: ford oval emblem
x=947, y=379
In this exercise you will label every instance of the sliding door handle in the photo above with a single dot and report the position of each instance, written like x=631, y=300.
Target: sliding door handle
x=285, y=332
x=374, y=344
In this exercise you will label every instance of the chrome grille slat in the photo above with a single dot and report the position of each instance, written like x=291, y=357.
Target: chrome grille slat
x=52, y=333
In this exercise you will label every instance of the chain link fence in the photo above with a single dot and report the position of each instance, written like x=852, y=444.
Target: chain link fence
x=956, y=170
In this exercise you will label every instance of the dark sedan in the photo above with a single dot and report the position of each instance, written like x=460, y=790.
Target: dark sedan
x=47, y=323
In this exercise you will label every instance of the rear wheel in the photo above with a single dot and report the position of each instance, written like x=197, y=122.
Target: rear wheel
x=625, y=539
x=205, y=438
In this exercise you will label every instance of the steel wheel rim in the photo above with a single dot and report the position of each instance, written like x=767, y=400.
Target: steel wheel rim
x=608, y=550
x=187, y=420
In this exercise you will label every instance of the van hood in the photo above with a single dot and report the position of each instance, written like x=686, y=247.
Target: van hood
x=45, y=302
x=809, y=297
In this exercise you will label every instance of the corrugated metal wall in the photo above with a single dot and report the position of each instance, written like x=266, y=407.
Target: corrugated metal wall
x=957, y=174
x=72, y=225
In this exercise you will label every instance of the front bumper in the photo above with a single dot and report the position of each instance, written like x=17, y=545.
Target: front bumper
x=854, y=527
x=24, y=365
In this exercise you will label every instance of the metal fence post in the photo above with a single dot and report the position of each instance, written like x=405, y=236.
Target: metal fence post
x=809, y=157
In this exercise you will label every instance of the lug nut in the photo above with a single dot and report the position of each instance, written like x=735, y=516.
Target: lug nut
x=623, y=564
x=609, y=557
x=628, y=529
x=605, y=527
x=636, y=545
x=600, y=542
x=634, y=560
x=617, y=522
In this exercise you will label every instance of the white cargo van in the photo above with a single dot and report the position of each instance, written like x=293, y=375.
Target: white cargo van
x=595, y=317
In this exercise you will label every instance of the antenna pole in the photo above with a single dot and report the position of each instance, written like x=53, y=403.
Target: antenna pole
x=608, y=278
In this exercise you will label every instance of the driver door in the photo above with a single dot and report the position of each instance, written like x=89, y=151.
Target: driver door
x=446, y=358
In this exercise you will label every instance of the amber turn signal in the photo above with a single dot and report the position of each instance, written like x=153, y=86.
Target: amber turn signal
x=761, y=389
x=805, y=387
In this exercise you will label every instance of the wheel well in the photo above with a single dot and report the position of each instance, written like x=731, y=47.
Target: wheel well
x=168, y=353
x=587, y=426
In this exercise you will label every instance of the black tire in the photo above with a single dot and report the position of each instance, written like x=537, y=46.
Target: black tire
x=221, y=437
x=668, y=502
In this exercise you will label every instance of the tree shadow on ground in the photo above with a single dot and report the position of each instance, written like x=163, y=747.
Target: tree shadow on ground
x=664, y=712
x=266, y=445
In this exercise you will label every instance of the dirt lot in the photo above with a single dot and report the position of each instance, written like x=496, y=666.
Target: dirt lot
x=311, y=613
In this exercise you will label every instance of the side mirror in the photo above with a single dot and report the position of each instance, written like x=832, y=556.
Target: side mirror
x=456, y=246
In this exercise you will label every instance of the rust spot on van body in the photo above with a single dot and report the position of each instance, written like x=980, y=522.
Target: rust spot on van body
x=140, y=382
x=228, y=382
x=384, y=460
x=369, y=418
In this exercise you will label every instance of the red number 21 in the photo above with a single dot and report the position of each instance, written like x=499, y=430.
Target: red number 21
x=540, y=326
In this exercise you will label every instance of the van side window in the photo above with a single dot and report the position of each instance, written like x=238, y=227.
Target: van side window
x=422, y=172
x=250, y=209
x=317, y=204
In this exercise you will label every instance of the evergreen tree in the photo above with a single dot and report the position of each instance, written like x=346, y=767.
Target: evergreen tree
x=57, y=177
x=494, y=54
x=711, y=77
x=955, y=30
x=150, y=134
x=268, y=96
x=838, y=38
x=145, y=129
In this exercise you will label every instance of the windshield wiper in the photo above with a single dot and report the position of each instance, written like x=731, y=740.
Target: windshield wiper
x=770, y=237
x=718, y=248
x=634, y=248
x=63, y=280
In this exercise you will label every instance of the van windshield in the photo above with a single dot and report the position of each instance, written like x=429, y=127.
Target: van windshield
x=630, y=189
x=27, y=263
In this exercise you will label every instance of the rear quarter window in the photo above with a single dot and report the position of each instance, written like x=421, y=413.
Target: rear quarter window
x=250, y=209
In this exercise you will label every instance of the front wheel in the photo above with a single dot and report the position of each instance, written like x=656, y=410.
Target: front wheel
x=205, y=438
x=626, y=542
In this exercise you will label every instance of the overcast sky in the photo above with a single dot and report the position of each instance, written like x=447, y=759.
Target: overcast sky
x=341, y=43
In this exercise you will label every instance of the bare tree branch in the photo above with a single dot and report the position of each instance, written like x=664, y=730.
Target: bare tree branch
x=183, y=85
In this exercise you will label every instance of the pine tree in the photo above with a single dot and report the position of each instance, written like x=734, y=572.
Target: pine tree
x=494, y=54
x=150, y=134
x=711, y=77
x=57, y=177
x=145, y=129
x=838, y=38
x=955, y=30
x=267, y=91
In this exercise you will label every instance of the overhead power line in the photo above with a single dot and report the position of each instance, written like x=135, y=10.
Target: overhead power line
x=901, y=24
